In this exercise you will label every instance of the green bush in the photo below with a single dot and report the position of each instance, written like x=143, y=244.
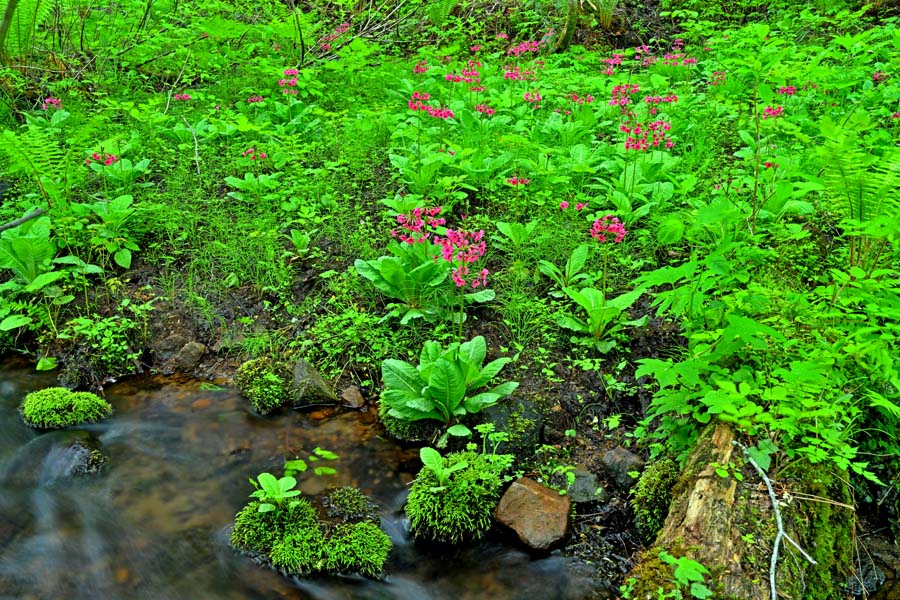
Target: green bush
x=460, y=510
x=265, y=384
x=55, y=407
x=357, y=548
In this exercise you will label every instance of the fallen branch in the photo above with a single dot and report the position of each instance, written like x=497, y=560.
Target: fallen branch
x=781, y=533
x=32, y=215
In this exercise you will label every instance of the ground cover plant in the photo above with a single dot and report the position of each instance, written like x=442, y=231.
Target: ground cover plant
x=689, y=224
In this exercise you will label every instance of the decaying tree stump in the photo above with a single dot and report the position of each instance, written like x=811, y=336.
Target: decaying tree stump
x=729, y=527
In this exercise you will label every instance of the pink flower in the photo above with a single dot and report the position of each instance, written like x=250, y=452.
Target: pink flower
x=502, y=36
x=516, y=181
x=182, y=97
x=895, y=115
x=440, y=113
x=563, y=205
x=463, y=248
x=580, y=206
x=475, y=48
x=608, y=224
x=787, y=90
x=879, y=76
x=421, y=67
x=51, y=101
x=533, y=97
x=485, y=110
x=254, y=99
x=291, y=72
x=771, y=165
x=773, y=112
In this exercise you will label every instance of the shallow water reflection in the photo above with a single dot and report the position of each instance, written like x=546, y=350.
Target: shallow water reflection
x=154, y=523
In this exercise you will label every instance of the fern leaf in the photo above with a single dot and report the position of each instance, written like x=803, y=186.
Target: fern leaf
x=28, y=16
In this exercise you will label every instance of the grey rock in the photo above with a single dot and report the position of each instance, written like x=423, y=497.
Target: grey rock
x=619, y=462
x=309, y=387
x=353, y=398
x=586, y=488
x=538, y=514
x=188, y=358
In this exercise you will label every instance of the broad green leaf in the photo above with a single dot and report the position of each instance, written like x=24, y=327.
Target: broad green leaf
x=44, y=280
x=13, y=322
x=489, y=371
x=123, y=258
x=402, y=376
x=446, y=385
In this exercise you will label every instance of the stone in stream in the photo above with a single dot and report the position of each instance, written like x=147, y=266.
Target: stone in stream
x=585, y=488
x=309, y=387
x=619, y=463
x=188, y=358
x=538, y=514
x=353, y=397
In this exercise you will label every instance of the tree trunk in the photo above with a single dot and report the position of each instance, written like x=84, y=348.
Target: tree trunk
x=5, y=24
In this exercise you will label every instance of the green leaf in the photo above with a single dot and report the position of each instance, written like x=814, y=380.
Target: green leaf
x=447, y=385
x=432, y=459
x=402, y=376
x=459, y=430
x=489, y=371
x=123, y=258
x=46, y=363
x=13, y=322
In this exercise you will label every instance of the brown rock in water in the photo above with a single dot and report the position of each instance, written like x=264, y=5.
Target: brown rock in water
x=538, y=515
x=189, y=356
x=353, y=398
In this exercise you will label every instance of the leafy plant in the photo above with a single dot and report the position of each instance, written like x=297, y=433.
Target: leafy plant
x=603, y=316
x=433, y=460
x=443, y=386
x=272, y=492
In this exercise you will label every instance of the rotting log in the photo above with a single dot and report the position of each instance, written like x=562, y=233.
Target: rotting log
x=729, y=527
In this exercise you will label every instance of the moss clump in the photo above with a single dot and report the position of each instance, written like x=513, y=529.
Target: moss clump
x=263, y=383
x=461, y=510
x=652, y=497
x=300, y=551
x=56, y=407
x=359, y=547
x=349, y=505
x=259, y=532
x=407, y=431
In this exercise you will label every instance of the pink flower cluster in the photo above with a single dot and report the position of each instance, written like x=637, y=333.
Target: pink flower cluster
x=643, y=54
x=514, y=73
x=770, y=165
x=418, y=224
x=182, y=96
x=51, y=101
x=439, y=113
x=612, y=63
x=643, y=137
x=416, y=102
x=463, y=248
x=718, y=78
x=325, y=42
x=621, y=95
x=655, y=101
x=788, y=90
x=579, y=206
x=105, y=157
x=502, y=36
x=253, y=154
x=581, y=99
x=468, y=75
x=421, y=67
x=517, y=181
x=533, y=98
x=525, y=47
x=289, y=84
x=772, y=112
x=879, y=76
x=254, y=99
x=608, y=225
x=485, y=110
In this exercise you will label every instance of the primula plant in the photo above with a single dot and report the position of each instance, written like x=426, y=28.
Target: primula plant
x=445, y=385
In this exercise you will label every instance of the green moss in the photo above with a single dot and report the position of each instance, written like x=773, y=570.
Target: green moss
x=652, y=497
x=256, y=531
x=349, y=505
x=357, y=548
x=265, y=384
x=55, y=407
x=459, y=511
x=300, y=551
x=407, y=431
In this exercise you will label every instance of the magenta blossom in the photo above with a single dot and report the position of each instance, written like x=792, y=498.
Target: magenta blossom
x=51, y=101
x=516, y=181
x=608, y=225
x=773, y=112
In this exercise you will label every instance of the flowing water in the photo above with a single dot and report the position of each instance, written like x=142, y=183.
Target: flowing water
x=154, y=522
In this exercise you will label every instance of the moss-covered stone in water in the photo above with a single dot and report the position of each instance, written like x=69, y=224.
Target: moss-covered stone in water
x=407, y=431
x=300, y=551
x=264, y=383
x=357, y=548
x=256, y=531
x=56, y=407
x=349, y=505
x=652, y=496
x=460, y=511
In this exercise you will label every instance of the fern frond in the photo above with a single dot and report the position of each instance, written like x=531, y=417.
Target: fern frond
x=439, y=12
x=29, y=15
x=33, y=153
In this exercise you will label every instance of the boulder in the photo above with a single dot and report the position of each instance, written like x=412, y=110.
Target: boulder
x=522, y=420
x=353, y=397
x=586, y=488
x=538, y=514
x=188, y=358
x=619, y=463
x=309, y=387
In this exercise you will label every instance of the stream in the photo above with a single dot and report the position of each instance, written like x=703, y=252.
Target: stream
x=154, y=522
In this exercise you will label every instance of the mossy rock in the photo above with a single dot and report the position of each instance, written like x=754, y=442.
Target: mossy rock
x=357, y=548
x=300, y=551
x=349, y=505
x=411, y=432
x=258, y=532
x=652, y=497
x=459, y=512
x=264, y=383
x=57, y=407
